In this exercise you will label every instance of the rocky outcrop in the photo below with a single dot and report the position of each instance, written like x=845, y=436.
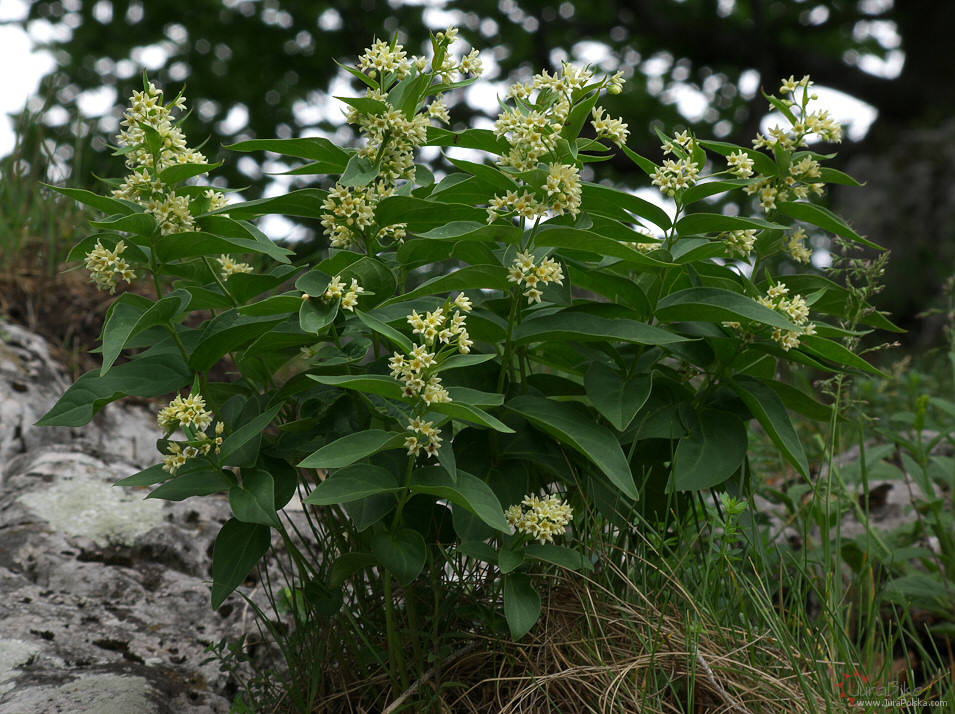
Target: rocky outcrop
x=104, y=596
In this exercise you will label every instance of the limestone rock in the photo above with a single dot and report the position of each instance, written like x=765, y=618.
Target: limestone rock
x=104, y=596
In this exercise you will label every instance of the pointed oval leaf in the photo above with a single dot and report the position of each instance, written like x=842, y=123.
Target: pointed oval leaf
x=353, y=483
x=238, y=548
x=711, y=452
x=616, y=398
x=467, y=491
x=578, y=430
x=767, y=407
x=403, y=553
x=254, y=500
x=522, y=604
x=353, y=447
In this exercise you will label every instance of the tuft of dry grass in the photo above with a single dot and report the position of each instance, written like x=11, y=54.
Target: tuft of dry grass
x=598, y=651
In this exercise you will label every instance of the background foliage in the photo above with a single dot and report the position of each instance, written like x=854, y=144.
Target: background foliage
x=264, y=64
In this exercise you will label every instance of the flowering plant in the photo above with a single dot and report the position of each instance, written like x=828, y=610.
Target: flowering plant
x=589, y=354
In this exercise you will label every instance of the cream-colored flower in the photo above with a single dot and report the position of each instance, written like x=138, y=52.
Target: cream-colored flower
x=231, y=267
x=107, y=268
x=540, y=518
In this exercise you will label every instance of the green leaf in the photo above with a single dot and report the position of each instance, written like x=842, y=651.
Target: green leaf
x=147, y=477
x=305, y=202
x=799, y=401
x=147, y=376
x=522, y=604
x=583, y=240
x=472, y=277
x=347, y=565
x=360, y=171
x=711, y=452
x=141, y=224
x=647, y=166
x=480, y=139
x=469, y=412
x=404, y=553
x=509, y=560
x=385, y=330
x=612, y=202
x=379, y=384
x=254, y=500
x=193, y=483
x=180, y=172
x=241, y=234
x=824, y=218
x=834, y=352
x=127, y=318
x=313, y=149
x=582, y=327
x=226, y=332
x=701, y=223
x=762, y=163
x=479, y=550
x=713, y=188
x=353, y=483
x=316, y=313
x=109, y=206
x=238, y=547
x=617, y=399
x=466, y=490
x=576, y=428
x=353, y=447
x=247, y=432
x=462, y=360
x=767, y=407
x=492, y=176
x=717, y=305
x=558, y=555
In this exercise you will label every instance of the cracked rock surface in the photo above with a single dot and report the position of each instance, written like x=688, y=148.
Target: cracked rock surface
x=104, y=596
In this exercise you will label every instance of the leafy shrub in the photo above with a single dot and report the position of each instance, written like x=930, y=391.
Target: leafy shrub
x=484, y=357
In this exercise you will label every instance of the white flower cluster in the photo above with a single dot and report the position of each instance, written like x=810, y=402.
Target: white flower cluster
x=797, y=185
x=424, y=437
x=609, y=128
x=740, y=164
x=391, y=137
x=797, y=246
x=540, y=518
x=231, y=267
x=806, y=123
x=147, y=156
x=383, y=59
x=191, y=414
x=107, y=268
x=336, y=290
x=561, y=194
x=527, y=273
x=801, y=180
x=676, y=175
x=533, y=131
x=795, y=308
x=741, y=242
x=439, y=331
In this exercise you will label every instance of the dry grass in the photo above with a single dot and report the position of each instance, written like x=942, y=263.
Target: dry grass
x=597, y=651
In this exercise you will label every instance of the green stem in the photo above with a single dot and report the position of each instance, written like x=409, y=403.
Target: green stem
x=508, y=345
x=218, y=279
x=396, y=660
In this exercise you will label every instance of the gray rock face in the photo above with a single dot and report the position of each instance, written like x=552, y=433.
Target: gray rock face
x=104, y=596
